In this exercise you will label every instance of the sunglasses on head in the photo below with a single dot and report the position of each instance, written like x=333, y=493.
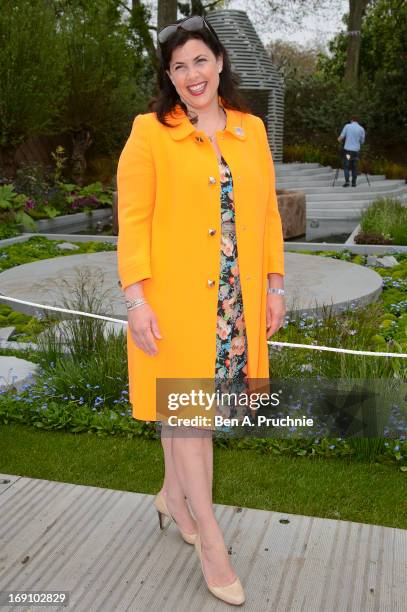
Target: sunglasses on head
x=191, y=24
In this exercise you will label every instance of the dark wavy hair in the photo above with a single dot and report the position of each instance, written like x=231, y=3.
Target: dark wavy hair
x=167, y=97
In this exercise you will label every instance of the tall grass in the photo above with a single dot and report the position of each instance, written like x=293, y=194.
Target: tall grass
x=388, y=217
x=88, y=366
x=353, y=328
x=86, y=360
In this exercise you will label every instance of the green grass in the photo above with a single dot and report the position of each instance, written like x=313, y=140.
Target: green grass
x=327, y=488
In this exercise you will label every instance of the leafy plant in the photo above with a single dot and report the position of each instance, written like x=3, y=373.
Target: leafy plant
x=12, y=207
x=386, y=217
x=87, y=197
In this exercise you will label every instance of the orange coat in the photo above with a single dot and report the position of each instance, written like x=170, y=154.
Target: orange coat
x=168, y=201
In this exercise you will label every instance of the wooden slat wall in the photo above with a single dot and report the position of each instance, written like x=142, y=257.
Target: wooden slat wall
x=255, y=68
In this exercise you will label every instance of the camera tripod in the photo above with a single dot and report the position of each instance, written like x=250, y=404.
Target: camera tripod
x=342, y=163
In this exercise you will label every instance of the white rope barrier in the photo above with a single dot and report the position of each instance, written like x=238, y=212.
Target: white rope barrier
x=314, y=347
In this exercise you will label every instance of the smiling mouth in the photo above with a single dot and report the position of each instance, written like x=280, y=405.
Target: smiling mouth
x=197, y=89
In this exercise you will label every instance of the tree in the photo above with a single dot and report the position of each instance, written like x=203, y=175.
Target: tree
x=292, y=60
x=31, y=69
x=101, y=70
x=167, y=12
x=357, y=9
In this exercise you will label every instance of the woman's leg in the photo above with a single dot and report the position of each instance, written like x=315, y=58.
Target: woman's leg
x=192, y=459
x=172, y=489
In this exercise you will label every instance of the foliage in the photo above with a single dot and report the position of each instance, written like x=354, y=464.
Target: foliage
x=25, y=325
x=383, y=72
x=88, y=196
x=69, y=68
x=83, y=387
x=388, y=218
x=9, y=229
x=101, y=72
x=327, y=155
x=12, y=207
x=46, y=195
x=39, y=247
x=293, y=61
x=318, y=107
x=31, y=69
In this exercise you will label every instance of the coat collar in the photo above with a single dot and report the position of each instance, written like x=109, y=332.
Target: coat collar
x=183, y=126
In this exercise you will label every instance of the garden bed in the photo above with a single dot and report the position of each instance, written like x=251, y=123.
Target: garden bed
x=87, y=390
x=383, y=222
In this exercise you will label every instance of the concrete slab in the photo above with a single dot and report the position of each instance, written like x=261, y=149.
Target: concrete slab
x=15, y=372
x=104, y=547
x=5, y=332
x=311, y=282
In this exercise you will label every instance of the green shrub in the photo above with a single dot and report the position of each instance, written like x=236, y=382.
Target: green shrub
x=387, y=217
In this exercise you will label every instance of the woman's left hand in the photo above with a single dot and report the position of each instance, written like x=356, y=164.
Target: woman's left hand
x=275, y=313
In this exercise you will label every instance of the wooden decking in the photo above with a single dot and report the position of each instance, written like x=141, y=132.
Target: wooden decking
x=106, y=549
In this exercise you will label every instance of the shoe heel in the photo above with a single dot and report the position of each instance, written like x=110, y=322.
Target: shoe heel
x=162, y=510
x=160, y=519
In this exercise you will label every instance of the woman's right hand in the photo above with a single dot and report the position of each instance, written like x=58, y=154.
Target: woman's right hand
x=143, y=326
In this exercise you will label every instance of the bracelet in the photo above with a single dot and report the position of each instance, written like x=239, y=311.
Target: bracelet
x=131, y=304
x=276, y=290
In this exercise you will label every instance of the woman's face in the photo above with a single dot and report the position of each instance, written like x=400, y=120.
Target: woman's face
x=194, y=71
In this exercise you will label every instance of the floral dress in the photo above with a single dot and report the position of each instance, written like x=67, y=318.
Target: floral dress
x=231, y=340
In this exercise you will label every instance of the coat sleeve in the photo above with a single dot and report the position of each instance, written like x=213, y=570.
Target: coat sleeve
x=136, y=198
x=274, y=230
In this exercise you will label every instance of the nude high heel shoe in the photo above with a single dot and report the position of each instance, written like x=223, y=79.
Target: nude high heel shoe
x=161, y=507
x=231, y=593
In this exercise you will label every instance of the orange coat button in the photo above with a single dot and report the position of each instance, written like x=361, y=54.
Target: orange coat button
x=211, y=283
x=211, y=232
x=212, y=180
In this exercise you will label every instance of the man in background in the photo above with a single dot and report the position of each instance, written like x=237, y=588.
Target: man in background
x=354, y=136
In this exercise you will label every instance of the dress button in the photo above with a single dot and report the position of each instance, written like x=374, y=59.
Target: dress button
x=211, y=283
x=212, y=180
x=211, y=232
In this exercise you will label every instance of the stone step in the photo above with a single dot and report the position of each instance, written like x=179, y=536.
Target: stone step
x=299, y=165
x=357, y=204
x=307, y=178
x=320, y=181
x=379, y=188
x=338, y=214
x=353, y=195
x=303, y=172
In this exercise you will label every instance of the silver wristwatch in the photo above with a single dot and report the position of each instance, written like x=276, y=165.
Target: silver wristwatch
x=135, y=303
x=276, y=290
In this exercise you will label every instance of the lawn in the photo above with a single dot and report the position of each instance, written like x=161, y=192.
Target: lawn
x=329, y=488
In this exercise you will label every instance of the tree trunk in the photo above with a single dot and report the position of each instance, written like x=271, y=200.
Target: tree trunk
x=166, y=12
x=7, y=163
x=139, y=23
x=81, y=142
x=357, y=9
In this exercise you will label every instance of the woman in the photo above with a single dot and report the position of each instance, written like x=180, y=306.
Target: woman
x=201, y=263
